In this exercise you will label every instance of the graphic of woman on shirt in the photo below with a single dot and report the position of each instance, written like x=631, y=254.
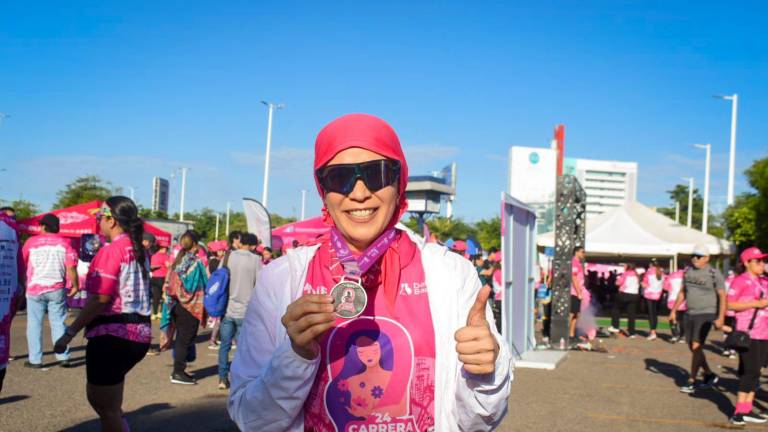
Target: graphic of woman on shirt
x=359, y=392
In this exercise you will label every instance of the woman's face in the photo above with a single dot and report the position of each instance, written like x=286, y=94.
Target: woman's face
x=186, y=243
x=756, y=266
x=368, y=351
x=362, y=215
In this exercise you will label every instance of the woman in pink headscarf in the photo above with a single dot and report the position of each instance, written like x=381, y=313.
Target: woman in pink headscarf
x=415, y=348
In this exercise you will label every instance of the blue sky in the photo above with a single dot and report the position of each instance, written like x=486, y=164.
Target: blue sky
x=130, y=90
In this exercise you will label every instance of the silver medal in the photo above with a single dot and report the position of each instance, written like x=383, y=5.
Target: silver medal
x=349, y=298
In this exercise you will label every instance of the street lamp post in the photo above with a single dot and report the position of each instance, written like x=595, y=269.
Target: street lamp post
x=303, y=203
x=183, y=191
x=690, y=200
x=705, y=215
x=272, y=107
x=734, y=98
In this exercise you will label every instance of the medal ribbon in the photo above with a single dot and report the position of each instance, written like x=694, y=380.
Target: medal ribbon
x=357, y=267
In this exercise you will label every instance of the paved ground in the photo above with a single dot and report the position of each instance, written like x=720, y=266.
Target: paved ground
x=633, y=387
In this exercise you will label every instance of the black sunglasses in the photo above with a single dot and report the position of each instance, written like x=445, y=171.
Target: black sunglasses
x=376, y=175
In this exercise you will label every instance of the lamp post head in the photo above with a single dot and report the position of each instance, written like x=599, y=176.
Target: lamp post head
x=702, y=146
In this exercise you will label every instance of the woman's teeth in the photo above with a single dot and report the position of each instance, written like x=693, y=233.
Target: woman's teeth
x=361, y=213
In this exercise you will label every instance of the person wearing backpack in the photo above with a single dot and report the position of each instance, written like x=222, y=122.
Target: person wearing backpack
x=244, y=267
x=704, y=290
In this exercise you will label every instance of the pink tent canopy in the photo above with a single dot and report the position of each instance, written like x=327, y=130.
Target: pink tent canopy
x=302, y=231
x=81, y=219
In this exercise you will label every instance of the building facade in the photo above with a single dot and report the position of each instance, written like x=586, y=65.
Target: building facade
x=532, y=178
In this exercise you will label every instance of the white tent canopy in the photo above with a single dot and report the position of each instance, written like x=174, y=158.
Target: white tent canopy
x=636, y=230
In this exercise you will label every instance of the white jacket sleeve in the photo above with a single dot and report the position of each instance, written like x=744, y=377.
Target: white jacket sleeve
x=270, y=382
x=481, y=400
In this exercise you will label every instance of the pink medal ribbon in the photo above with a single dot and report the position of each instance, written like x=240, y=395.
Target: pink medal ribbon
x=349, y=296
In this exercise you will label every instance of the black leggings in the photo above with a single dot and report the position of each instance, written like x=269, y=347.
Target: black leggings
x=186, y=332
x=677, y=328
x=2, y=377
x=653, y=312
x=750, y=362
x=157, y=293
x=625, y=301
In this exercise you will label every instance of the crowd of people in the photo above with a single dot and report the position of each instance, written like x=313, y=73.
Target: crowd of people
x=341, y=335
x=698, y=298
x=366, y=328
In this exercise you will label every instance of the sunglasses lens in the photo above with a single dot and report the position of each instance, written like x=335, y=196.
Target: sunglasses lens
x=378, y=174
x=338, y=178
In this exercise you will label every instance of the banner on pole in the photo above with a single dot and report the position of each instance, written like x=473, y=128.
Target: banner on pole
x=258, y=221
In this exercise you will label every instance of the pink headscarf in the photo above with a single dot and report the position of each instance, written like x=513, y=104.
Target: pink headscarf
x=370, y=133
x=362, y=131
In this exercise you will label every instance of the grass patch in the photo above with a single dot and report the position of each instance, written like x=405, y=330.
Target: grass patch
x=640, y=323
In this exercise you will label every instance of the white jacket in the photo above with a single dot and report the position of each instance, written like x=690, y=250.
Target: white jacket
x=270, y=382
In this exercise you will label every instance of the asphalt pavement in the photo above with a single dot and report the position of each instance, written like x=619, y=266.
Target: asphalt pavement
x=631, y=387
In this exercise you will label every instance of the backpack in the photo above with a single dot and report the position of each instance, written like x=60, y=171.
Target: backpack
x=217, y=291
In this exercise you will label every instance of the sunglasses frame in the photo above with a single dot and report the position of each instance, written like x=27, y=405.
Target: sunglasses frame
x=393, y=165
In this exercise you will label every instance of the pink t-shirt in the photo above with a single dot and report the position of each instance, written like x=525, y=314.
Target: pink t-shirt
x=653, y=285
x=728, y=284
x=10, y=267
x=629, y=282
x=377, y=371
x=577, y=269
x=47, y=257
x=746, y=287
x=162, y=260
x=115, y=272
x=673, y=284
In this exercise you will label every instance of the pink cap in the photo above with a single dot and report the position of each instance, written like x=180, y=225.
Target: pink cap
x=752, y=253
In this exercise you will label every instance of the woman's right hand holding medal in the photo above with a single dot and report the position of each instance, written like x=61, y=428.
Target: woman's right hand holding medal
x=305, y=320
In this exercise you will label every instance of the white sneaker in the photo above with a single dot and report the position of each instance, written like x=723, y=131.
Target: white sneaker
x=613, y=329
x=652, y=337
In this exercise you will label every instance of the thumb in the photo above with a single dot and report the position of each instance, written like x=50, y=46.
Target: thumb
x=476, y=314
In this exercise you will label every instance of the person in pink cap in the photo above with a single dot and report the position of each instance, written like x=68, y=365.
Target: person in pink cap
x=748, y=297
x=414, y=349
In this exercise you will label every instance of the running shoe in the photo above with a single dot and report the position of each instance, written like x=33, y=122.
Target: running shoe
x=213, y=347
x=33, y=365
x=652, y=337
x=737, y=420
x=688, y=388
x=632, y=336
x=613, y=329
x=754, y=418
x=674, y=339
x=224, y=384
x=183, y=378
x=710, y=379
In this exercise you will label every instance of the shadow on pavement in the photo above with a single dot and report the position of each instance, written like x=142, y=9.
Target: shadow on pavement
x=12, y=399
x=716, y=395
x=207, y=415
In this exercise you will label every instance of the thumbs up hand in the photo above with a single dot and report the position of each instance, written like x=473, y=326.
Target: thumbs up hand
x=475, y=344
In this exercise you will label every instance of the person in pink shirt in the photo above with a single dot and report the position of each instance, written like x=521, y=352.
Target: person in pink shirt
x=159, y=266
x=748, y=297
x=653, y=286
x=627, y=298
x=673, y=284
x=116, y=314
x=50, y=260
x=577, y=288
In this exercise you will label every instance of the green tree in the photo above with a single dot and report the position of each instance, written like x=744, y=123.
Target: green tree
x=278, y=220
x=444, y=228
x=84, y=189
x=747, y=218
x=489, y=233
x=680, y=195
